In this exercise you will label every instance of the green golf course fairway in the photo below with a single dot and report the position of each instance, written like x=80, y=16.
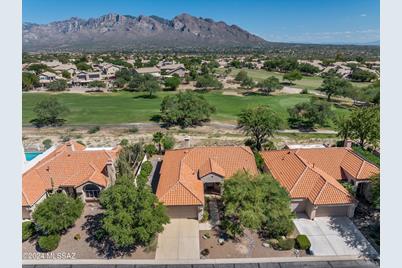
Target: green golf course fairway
x=127, y=107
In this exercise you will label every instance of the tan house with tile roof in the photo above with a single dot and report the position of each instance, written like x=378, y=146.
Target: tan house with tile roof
x=71, y=168
x=187, y=174
x=312, y=178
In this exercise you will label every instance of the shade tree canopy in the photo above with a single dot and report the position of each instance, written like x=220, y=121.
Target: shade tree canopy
x=259, y=123
x=258, y=203
x=185, y=109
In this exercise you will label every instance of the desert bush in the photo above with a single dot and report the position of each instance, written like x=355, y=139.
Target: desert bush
x=286, y=244
x=93, y=130
x=28, y=230
x=302, y=242
x=77, y=237
x=133, y=129
x=47, y=143
x=49, y=242
x=150, y=149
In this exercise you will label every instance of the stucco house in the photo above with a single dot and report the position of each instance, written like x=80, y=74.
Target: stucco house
x=71, y=168
x=187, y=174
x=154, y=71
x=312, y=178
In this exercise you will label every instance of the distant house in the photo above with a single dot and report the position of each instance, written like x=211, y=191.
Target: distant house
x=187, y=174
x=154, y=71
x=47, y=77
x=171, y=69
x=70, y=168
x=70, y=68
x=109, y=70
x=313, y=178
x=83, y=78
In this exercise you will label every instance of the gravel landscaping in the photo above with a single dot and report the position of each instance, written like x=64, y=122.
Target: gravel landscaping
x=248, y=246
x=86, y=246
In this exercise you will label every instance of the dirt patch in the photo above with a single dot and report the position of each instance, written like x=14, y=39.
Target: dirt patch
x=232, y=93
x=288, y=90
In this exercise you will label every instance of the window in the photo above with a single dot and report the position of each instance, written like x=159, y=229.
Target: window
x=91, y=191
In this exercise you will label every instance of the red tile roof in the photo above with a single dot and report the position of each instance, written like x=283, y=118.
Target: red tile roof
x=68, y=165
x=313, y=174
x=179, y=183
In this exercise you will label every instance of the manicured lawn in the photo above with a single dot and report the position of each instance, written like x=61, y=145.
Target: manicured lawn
x=125, y=107
x=308, y=82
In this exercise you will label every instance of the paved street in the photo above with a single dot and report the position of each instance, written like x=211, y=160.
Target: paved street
x=317, y=264
x=179, y=240
x=334, y=236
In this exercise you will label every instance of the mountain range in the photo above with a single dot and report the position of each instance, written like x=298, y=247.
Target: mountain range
x=122, y=32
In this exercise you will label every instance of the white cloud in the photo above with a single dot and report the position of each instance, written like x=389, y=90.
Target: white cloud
x=363, y=15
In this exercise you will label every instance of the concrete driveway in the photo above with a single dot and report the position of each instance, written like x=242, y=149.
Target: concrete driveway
x=334, y=236
x=179, y=241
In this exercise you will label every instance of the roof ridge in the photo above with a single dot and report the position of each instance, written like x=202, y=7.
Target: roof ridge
x=319, y=194
x=321, y=173
x=298, y=179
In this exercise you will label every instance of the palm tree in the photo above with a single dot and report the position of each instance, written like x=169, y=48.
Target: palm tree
x=157, y=138
x=344, y=127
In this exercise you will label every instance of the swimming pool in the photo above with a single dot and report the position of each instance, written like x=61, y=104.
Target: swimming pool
x=31, y=155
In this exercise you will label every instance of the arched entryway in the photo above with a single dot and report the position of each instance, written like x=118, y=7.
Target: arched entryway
x=91, y=190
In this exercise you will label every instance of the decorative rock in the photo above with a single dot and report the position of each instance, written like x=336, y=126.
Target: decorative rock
x=265, y=245
x=221, y=241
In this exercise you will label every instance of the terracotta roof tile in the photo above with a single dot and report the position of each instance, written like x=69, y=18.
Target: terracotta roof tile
x=179, y=183
x=314, y=174
x=67, y=165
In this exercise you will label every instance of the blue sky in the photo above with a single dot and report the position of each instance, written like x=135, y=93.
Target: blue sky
x=306, y=21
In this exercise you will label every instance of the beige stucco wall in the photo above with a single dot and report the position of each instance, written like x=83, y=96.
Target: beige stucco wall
x=298, y=205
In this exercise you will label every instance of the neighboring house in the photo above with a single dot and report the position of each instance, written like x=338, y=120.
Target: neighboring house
x=109, y=70
x=47, y=77
x=154, y=71
x=312, y=178
x=83, y=78
x=187, y=174
x=70, y=168
x=71, y=68
x=171, y=69
x=51, y=64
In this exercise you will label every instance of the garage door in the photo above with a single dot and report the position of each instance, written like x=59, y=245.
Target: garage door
x=328, y=211
x=189, y=212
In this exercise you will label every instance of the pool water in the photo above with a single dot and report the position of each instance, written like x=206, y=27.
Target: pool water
x=31, y=155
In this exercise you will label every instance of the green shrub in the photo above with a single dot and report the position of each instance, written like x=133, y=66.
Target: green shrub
x=93, y=130
x=146, y=168
x=65, y=138
x=133, y=129
x=205, y=216
x=304, y=91
x=168, y=142
x=150, y=149
x=28, y=230
x=286, y=244
x=124, y=142
x=77, y=237
x=47, y=143
x=259, y=161
x=49, y=242
x=302, y=242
